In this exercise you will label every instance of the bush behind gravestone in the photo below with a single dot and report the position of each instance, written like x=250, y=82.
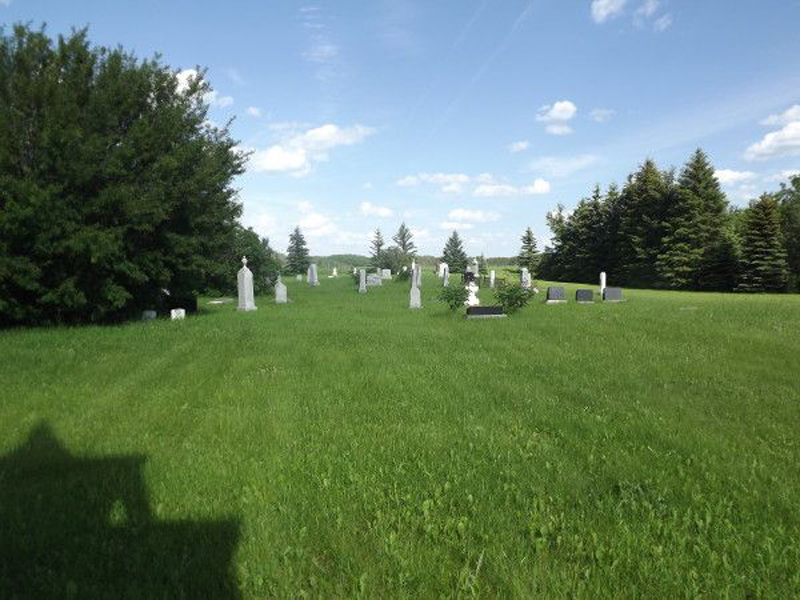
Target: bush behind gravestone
x=512, y=296
x=454, y=296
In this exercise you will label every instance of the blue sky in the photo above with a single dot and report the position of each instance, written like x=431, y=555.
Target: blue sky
x=479, y=115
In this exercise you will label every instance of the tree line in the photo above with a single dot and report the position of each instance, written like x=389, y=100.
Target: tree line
x=678, y=231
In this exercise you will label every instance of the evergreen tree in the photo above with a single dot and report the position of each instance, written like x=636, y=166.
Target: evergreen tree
x=694, y=223
x=763, y=265
x=454, y=255
x=405, y=242
x=644, y=204
x=483, y=268
x=719, y=269
x=297, y=258
x=113, y=186
x=376, y=250
x=789, y=197
x=528, y=255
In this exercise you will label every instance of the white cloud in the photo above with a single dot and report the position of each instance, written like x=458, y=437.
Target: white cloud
x=782, y=176
x=556, y=116
x=731, y=177
x=662, y=22
x=451, y=183
x=784, y=142
x=562, y=166
x=298, y=153
x=498, y=190
x=254, y=111
x=647, y=9
x=452, y=225
x=602, y=10
x=788, y=116
x=473, y=216
x=212, y=97
x=518, y=146
x=369, y=209
x=601, y=115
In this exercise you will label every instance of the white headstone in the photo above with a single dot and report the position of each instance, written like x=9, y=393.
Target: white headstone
x=335, y=272
x=413, y=266
x=244, y=281
x=442, y=268
x=299, y=277
x=415, y=300
x=313, y=280
x=281, y=296
x=386, y=273
x=446, y=275
x=476, y=267
x=418, y=276
x=525, y=279
x=491, y=278
x=148, y=315
x=362, y=281
x=472, y=299
x=602, y=282
x=405, y=268
x=176, y=314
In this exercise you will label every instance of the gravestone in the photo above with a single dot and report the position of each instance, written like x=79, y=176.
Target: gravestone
x=148, y=315
x=362, y=281
x=405, y=269
x=415, y=298
x=472, y=299
x=443, y=267
x=445, y=275
x=612, y=294
x=386, y=274
x=335, y=272
x=244, y=281
x=417, y=276
x=281, y=296
x=299, y=277
x=555, y=295
x=374, y=280
x=476, y=268
x=525, y=278
x=177, y=314
x=313, y=279
x=584, y=296
x=485, y=312
x=602, y=283
x=491, y=278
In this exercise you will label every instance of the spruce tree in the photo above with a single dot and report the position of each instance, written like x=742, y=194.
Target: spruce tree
x=763, y=264
x=528, y=255
x=789, y=197
x=694, y=221
x=454, y=255
x=297, y=260
x=404, y=241
x=376, y=250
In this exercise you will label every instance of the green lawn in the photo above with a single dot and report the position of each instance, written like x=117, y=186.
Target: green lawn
x=343, y=445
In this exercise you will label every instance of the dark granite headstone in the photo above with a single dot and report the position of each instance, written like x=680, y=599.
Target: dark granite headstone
x=485, y=312
x=612, y=294
x=555, y=293
x=584, y=296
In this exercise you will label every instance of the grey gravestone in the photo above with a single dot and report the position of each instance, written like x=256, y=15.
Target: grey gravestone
x=386, y=274
x=612, y=294
x=555, y=294
x=362, y=281
x=418, y=276
x=445, y=274
x=313, y=279
x=280, y=292
x=177, y=314
x=148, y=315
x=491, y=278
x=584, y=296
x=415, y=299
x=244, y=280
x=374, y=280
x=299, y=277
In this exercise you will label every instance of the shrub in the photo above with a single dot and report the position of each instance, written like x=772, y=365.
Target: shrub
x=454, y=296
x=512, y=297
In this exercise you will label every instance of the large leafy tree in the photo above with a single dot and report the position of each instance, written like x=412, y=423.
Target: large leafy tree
x=113, y=186
x=454, y=255
x=528, y=254
x=763, y=263
x=297, y=260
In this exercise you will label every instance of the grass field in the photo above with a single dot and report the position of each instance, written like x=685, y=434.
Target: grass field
x=343, y=445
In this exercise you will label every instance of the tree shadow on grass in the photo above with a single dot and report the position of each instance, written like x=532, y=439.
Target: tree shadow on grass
x=74, y=526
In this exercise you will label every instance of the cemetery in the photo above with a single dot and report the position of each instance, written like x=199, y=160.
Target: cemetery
x=208, y=389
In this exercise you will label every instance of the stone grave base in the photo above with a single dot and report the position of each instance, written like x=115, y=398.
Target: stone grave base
x=485, y=312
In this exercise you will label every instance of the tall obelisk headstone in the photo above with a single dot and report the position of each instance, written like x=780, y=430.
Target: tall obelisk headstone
x=244, y=280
